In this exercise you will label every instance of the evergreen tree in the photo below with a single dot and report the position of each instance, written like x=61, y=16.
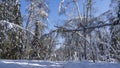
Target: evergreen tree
x=10, y=11
x=115, y=30
x=37, y=15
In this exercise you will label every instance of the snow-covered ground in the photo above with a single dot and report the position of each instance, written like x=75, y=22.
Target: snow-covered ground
x=48, y=64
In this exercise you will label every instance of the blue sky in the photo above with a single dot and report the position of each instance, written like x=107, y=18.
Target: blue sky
x=101, y=6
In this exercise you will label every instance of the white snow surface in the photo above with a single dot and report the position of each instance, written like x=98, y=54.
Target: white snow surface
x=57, y=64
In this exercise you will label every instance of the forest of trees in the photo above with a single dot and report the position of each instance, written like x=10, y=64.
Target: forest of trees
x=84, y=35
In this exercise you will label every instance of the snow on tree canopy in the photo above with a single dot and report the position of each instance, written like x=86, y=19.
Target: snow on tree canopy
x=7, y=26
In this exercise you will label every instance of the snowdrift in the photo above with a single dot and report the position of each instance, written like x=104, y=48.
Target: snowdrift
x=50, y=64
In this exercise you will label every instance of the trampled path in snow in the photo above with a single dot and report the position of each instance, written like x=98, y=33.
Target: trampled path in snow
x=51, y=64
